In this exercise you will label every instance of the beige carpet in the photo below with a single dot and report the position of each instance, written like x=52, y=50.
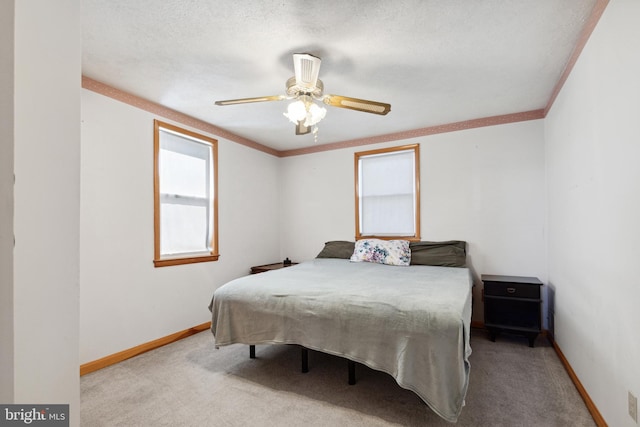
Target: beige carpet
x=190, y=383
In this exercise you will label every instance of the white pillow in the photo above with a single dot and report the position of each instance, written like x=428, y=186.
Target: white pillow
x=390, y=252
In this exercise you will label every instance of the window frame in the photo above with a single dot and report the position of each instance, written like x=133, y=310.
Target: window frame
x=389, y=150
x=158, y=259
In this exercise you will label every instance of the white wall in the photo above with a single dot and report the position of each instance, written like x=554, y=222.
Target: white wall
x=484, y=186
x=593, y=146
x=46, y=203
x=125, y=301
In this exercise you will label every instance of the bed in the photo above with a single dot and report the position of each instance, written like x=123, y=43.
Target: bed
x=411, y=322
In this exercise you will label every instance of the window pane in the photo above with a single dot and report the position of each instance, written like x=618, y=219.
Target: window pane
x=387, y=174
x=391, y=215
x=184, y=169
x=184, y=228
x=184, y=166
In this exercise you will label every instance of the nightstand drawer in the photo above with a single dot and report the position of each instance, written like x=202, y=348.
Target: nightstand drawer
x=512, y=290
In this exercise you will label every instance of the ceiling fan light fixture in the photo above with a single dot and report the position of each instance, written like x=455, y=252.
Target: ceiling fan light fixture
x=303, y=108
x=296, y=111
x=315, y=114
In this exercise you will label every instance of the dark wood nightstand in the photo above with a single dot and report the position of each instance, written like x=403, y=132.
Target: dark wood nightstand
x=512, y=304
x=268, y=267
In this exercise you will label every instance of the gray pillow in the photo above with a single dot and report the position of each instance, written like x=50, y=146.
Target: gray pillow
x=452, y=253
x=337, y=249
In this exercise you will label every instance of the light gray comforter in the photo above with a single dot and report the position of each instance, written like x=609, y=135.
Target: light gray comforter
x=411, y=322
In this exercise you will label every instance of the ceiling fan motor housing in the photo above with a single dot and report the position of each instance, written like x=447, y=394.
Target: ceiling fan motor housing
x=294, y=90
x=307, y=69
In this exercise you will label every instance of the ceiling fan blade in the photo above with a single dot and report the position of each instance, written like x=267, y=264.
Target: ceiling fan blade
x=249, y=100
x=301, y=129
x=307, y=69
x=357, y=104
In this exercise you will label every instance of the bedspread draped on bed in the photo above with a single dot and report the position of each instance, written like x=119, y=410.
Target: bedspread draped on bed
x=410, y=322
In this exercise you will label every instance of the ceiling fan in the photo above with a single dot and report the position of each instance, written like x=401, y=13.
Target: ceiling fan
x=305, y=88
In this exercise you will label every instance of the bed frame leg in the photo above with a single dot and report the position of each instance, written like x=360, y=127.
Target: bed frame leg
x=305, y=360
x=252, y=352
x=352, y=371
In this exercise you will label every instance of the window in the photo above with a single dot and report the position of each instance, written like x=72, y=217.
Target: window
x=185, y=196
x=388, y=193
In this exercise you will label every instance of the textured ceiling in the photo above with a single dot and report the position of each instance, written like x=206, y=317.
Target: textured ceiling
x=435, y=61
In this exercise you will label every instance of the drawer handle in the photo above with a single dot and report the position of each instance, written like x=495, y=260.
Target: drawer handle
x=511, y=290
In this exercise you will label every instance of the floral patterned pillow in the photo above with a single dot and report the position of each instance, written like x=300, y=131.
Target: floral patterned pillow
x=390, y=252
